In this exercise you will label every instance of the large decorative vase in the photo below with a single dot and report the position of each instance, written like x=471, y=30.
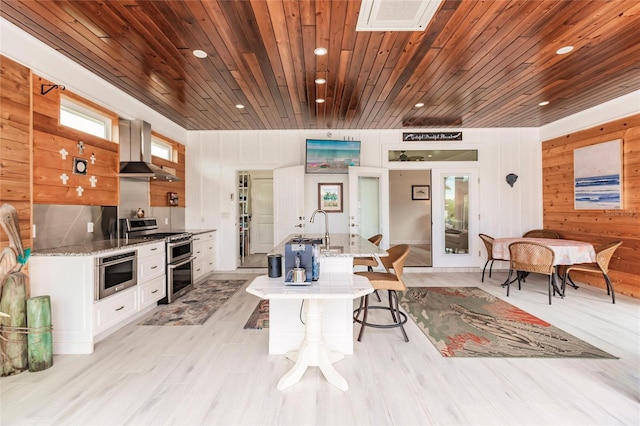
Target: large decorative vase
x=39, y=338
x=13, y=339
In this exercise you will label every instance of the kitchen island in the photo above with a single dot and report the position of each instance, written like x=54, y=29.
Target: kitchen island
x=286, y=330
x=313, y=351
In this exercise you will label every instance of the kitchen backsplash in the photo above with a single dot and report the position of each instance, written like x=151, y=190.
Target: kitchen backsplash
x=65, y=225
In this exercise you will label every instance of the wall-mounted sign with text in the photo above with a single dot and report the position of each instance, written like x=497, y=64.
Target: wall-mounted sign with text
x=432, y=136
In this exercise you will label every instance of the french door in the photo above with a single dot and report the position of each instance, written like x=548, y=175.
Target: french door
x=369, y=202
x=455, y=217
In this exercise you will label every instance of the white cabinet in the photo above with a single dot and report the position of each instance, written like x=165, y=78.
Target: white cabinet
x=115, y=309
x=203, y=253
x=152, y=291
x=151, y=274
x=69, y=282
x=78, y=319
x=209, y=252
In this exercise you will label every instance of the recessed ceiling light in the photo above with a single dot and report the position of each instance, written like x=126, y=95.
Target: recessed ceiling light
x=239, y=106
x=320, y=81
x=319, y=101
x=564, y=50
x=543, y=103
x=419, y=105
x=319, y=51
x=199, y=53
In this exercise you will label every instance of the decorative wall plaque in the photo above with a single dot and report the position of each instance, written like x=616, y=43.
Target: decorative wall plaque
x=79, y=166
x=432, y=136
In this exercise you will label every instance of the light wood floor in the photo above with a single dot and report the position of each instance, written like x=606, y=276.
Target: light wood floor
x=219, y=373
x=258, y=260
x=419, y=255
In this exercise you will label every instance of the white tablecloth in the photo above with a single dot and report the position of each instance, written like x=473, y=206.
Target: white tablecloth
x=567, y=252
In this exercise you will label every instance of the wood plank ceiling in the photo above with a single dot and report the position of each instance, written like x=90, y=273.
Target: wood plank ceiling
x=478, y=64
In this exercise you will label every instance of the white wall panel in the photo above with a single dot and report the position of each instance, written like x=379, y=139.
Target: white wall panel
x=504, y=210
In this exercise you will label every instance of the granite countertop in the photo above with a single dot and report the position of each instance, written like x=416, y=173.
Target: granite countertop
x=96, y=247
x=342, y=245
x=105, y=246
x=199, y=231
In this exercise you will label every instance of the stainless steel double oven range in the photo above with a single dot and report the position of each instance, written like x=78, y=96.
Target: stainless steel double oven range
x=179, y=253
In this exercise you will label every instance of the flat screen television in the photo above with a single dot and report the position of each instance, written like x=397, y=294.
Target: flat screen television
x=325, y=156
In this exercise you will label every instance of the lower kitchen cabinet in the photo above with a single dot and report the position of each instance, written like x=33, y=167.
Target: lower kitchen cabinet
x=152, y=291
x=80, y=320
x=114, y=310
x=152, y=284
x=203, y=253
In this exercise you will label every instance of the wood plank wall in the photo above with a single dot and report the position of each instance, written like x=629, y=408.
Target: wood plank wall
x=597, y=226
x=160, y=189
x=15, y=145
x=49, y=137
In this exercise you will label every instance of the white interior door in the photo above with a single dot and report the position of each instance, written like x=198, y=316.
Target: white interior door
x=288, y=202
x=261, y=215
x=460, y=216
x=369, y=202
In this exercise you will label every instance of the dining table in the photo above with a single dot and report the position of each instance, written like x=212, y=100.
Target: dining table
x=566, y=252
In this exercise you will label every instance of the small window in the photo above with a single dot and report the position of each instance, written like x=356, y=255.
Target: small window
x=434, y=155
x=80, y=117
x=162, y=149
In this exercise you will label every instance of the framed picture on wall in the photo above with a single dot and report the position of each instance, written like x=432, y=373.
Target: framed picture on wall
x=330, y=197
x=597, y=176
x=420, y=192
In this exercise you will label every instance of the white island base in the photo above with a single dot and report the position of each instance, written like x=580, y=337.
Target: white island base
x=312, y=349
x=286, y=315
x=313, y=352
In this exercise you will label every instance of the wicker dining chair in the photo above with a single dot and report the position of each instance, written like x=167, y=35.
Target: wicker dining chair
x=600, y=266
x=391, y=281
x=488, y=243
x=541, y=233
x=531, y=257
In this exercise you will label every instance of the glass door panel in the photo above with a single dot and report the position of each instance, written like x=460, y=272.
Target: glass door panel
x=456, y=214
x=455, y=207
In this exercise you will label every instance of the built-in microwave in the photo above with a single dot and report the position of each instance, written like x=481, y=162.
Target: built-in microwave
x=115, y=273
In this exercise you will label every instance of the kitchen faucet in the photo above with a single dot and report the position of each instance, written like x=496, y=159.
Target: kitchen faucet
x=326, y=226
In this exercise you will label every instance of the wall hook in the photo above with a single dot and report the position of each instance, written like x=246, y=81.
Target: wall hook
x=511, y=179
x=50, y=88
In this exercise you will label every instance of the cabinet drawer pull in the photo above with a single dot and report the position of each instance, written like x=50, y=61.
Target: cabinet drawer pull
x=154, y=291
x=154, y=249
x=154, y=267
x=120, y=308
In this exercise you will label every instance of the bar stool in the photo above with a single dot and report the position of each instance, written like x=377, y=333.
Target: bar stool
x=370, y=262
x=390, y=281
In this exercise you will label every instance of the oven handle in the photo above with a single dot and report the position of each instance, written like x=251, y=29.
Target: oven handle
x=179, y=243
x=117, y=261
x=177, y=265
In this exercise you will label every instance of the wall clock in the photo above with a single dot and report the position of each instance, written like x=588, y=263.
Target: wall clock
x=79, y=166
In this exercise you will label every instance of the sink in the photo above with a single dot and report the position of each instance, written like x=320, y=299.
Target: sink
x=331, y=250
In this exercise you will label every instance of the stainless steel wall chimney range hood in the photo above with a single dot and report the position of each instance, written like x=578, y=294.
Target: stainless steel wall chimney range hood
x=135, y=152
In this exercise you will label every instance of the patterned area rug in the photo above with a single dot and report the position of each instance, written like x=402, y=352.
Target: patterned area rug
x=196, y=306
x=469, y=322
x=259, y=318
